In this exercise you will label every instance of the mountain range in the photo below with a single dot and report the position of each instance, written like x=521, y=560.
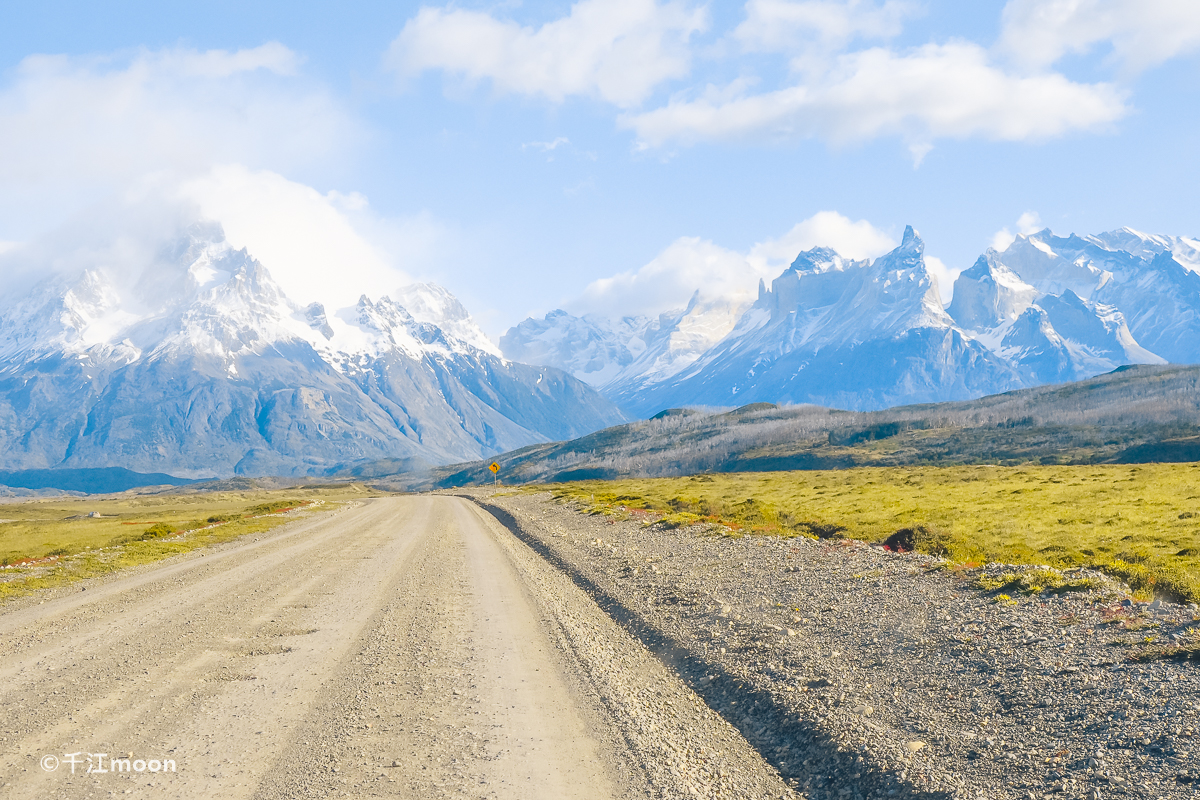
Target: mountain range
x=199, y=365
x=863, y=335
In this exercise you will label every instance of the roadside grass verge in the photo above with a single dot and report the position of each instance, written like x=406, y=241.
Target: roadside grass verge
x=1140, y=523
x=50, y=543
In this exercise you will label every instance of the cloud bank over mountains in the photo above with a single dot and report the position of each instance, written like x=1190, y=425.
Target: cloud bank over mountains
x=134, y=146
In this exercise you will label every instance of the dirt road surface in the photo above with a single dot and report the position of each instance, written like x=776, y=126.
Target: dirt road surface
x=403, y=647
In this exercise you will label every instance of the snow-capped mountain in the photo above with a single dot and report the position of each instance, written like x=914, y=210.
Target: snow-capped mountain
x=199, y=364
x=624, y=356
x=1048, y=337
x=989, y=294
x=591, y=348
x=843, y=333
x=862, y=335
x=1151, y=280
x=433, y=305
x=1147, y=246
x=1064, y=337
x=671, y=343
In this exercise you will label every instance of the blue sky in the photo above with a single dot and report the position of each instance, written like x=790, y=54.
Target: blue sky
x=519, y=153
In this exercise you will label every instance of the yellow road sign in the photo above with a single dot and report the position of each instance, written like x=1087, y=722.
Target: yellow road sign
x=494, y=467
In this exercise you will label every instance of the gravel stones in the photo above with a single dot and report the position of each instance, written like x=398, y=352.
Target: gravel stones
x=791, y=640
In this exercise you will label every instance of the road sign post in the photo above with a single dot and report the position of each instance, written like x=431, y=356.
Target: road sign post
x=495, y=468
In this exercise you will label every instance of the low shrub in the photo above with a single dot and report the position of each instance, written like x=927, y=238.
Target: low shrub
x=156, y=530
x=272, y=507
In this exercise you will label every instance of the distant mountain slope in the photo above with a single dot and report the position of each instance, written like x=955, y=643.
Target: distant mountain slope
x=624, y=356
x=866, y=335
x=201, y=365
x=1135, y=414
x=89, y=481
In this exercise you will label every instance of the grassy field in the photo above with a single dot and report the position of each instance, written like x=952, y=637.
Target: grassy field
x=55, y=541
x=1138, y=523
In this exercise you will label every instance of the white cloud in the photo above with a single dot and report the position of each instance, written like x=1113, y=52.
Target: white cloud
x=851, y=239
x=1141, y=33
x=935, y=91
x=309, y=241
x=621, y=51
x=944, y=275
x=272, y=57
x=809, y=30
x=691, y=263
x=107, y=157
x=617, y=50
x=74, y=130
x=546, y=147
x=1027, y=223
x=121, y=237
x=324, y=247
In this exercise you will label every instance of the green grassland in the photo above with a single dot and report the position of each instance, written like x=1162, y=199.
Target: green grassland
x=65, y=544
x=1138, y=523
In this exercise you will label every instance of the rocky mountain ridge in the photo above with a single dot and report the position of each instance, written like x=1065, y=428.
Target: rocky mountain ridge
x=871, y=334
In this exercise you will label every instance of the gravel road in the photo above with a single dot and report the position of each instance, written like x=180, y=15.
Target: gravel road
x=861, y=673
x=402, y=647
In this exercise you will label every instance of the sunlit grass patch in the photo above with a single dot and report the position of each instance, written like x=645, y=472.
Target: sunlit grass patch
x=1167, y=652
x=49, y=543
x=1138, y=523
x=1037, y=580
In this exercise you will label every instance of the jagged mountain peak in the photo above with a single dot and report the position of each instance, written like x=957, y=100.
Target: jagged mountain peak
x=988, y=294
x=434, y=305
x=903, y=289
x=428, y=302
x=1054, y=264
x=822, y=259
x=384, y=315
x=314, y=315
x=1134, y=242
x=909, y=254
